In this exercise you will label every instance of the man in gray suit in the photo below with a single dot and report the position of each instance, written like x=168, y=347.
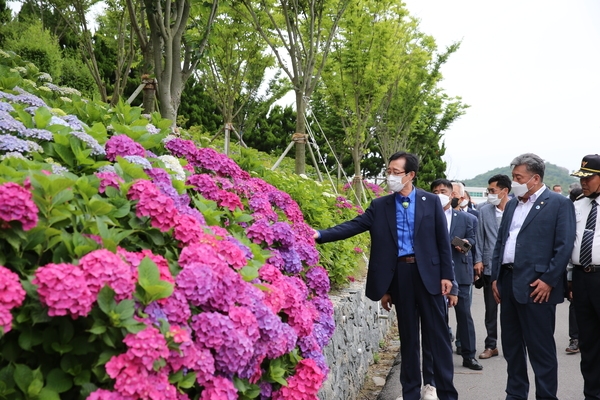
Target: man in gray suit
x=534, y=245
x=490, y=215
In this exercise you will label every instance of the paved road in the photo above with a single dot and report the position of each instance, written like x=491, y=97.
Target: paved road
x=490, y=383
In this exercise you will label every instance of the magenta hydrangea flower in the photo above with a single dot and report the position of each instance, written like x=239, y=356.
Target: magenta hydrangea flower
x=146, y=346
x=260, y=232
x=187, y=230
x=108, y=179
x=102, y=394
x=231, y=254
x=102, y=267
x=229, y=200
x=63, y=289
x=159, y=207
x=304, y=384
x=16, y=204
x=196, y=283
x=219, y=388
x=123, y=145
x=205, y=185
x=204, y=253
x=11, y=296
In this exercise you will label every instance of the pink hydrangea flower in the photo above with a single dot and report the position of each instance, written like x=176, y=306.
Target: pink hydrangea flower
x=108, y=178
x=219, y=388
x=11, y=296
x=146, y=346
x=123, y=145
x=102, y=394
x=63, y=289
x=102, y=267
x=11, y=291
x=231, y=254
x=159, y=208
x=16, y=204
x=229, y=200
x=187, y=230
x=304, y=384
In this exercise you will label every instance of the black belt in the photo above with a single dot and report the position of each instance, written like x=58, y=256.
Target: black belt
x=587, y=268
x=508, y=266
x=407, y=259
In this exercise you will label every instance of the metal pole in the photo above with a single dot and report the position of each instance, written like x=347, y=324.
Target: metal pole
x=280, y=159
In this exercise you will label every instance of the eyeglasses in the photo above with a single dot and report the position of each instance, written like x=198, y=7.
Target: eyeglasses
x=395, y=173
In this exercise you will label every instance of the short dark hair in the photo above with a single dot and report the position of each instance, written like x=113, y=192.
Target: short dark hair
x=532, y=162
x=575, y=193
x=441, y=182
x=411, y=161
x=502, y=181
x=555, y=186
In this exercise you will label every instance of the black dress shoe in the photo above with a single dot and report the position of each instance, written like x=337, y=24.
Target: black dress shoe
x=459, y=351
x=472, y=363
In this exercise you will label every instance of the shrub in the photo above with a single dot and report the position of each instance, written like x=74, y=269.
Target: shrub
x=136, y=265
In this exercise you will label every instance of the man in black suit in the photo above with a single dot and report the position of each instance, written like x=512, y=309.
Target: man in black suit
x=461, y=225
x=535, y=241
x=410, y=265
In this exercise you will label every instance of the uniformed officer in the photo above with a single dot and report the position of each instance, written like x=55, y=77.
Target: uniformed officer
x=586, y=274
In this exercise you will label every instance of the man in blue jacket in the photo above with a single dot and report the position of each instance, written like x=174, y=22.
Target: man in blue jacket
x=410, y=265
x=534, y=245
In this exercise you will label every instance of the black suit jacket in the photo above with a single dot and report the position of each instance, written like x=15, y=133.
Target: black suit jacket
x=431, y=242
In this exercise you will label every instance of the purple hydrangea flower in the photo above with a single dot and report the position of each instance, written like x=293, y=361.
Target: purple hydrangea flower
x=11, y=143
x=8, y=124
x=40, y=134
x=6, y=107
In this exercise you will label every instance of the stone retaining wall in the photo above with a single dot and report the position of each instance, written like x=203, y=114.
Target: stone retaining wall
x=358, y=333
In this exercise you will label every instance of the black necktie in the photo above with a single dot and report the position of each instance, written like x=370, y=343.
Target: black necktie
x=585, y=255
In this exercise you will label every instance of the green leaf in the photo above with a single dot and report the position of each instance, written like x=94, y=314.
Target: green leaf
x=106, y=299
x=47, y=394
x=82, y=378
x=249, y=273
x=35, y=387
x=156, y=236
x=61, y=197
x=148, y=273
x=187, y=381
x=42, y=117
x=65, y=153
x=100, y=207
x=23, y=377
x=58, y=381
x=61, y=348
x=125, y=309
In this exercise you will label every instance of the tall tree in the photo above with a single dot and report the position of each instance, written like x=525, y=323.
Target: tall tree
x=176, y=56
x=299, y=33
x=364, y=60
x=234, y=66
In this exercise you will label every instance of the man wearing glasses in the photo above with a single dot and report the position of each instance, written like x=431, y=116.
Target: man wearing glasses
x=410, y=266
x=489, y=218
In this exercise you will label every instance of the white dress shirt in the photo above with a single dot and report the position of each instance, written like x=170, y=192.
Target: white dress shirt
x=582, y=210
x=448, y=213
x=518, y=218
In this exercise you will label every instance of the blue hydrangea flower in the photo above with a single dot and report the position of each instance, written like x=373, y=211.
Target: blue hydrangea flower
x=97, y=149
x=40, y=134
x=6, y=107
x=8, y=124
x=139, y=161
x=11, y=143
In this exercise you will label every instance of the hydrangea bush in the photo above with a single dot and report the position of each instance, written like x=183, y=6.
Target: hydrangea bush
x=136, y=265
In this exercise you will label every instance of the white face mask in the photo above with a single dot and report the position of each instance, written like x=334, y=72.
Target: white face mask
x=493, y=199
x=443, y=199
x=395, y=183
x=464, y=203
x=520, y=189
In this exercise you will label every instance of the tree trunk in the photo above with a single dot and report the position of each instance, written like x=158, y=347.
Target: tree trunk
x=299, y=136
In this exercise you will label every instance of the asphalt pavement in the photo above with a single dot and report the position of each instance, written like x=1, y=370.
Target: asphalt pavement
x=490, y=383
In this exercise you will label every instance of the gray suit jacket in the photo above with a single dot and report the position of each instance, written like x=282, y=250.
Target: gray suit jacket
x=462, y=225
x=543, y=247
x=485, y=238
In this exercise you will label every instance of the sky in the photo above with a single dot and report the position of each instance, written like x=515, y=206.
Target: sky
x=530, y=71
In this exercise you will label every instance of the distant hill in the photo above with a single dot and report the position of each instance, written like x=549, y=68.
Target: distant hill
x=554, y=175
